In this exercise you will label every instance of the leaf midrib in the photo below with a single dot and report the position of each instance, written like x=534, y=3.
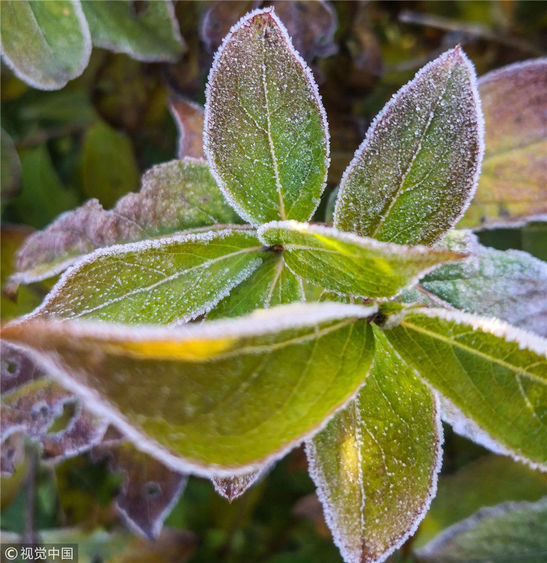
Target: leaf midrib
x=165, y=280
x=456, y=344
x=383, y=217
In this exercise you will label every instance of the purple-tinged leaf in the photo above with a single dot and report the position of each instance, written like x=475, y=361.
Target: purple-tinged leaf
x=33, y=407
x=16, y=368
x=266, y=135
x=150, y=489
x=233, y=487
x=174, y=196
x=417, y=169
x=311, y=25
x=513, y=181
x=189, y=119
x=376, y=463
x=84, y=431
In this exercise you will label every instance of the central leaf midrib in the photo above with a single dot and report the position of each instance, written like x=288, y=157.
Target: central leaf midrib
x=383, y=217
x=269, y=132
x=165, y=280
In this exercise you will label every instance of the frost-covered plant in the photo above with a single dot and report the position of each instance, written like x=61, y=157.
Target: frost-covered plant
x=349, y=337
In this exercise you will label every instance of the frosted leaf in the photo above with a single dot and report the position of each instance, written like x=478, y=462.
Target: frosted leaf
x=16, y=368
x=219, y=398
x=46, y=44
x=166, y=280
x=174, y=196
x=147, y=34
x=510, y=285
x=495, y=374
x=375, y=464
x=266, y=133
x=417, y=169
x=233, y=487
x=83, y=431
x=513, y=178
x=512, y=531
x=189, y=119
x=349, y=264
x=271, y=284
x=150, y=489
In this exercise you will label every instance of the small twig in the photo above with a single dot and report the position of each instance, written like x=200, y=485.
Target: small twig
x=472, y=30
x=30, y=535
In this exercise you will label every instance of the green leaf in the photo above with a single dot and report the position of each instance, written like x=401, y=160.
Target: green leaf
x=176, y=195
x=150, y=34
x=504, y=533
x=349, y=264
x=417, y=169
x=492, y=373
x=487, y=481
x=175, y=278
x=512, y=182
x=271, y=284
x=219, y=396
x=43, y=195
x=109, y=168
x=266, y=133
x=46, y=44
x=375, y=464
x=510, y=285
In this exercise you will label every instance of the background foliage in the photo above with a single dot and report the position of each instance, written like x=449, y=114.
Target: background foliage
x=96, y=136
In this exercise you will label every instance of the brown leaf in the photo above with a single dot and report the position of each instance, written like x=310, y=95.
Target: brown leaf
x=189, y=119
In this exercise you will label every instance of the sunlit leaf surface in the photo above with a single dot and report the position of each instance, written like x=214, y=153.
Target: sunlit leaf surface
x=495, y=374
x=265, y=128
x=375, y=464
x=349, y=264
x=417, y=169
x=222, y=395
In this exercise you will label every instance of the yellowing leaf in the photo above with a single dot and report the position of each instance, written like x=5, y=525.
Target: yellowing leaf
x=285, y=372
x=513, y=179
x=349, y=264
